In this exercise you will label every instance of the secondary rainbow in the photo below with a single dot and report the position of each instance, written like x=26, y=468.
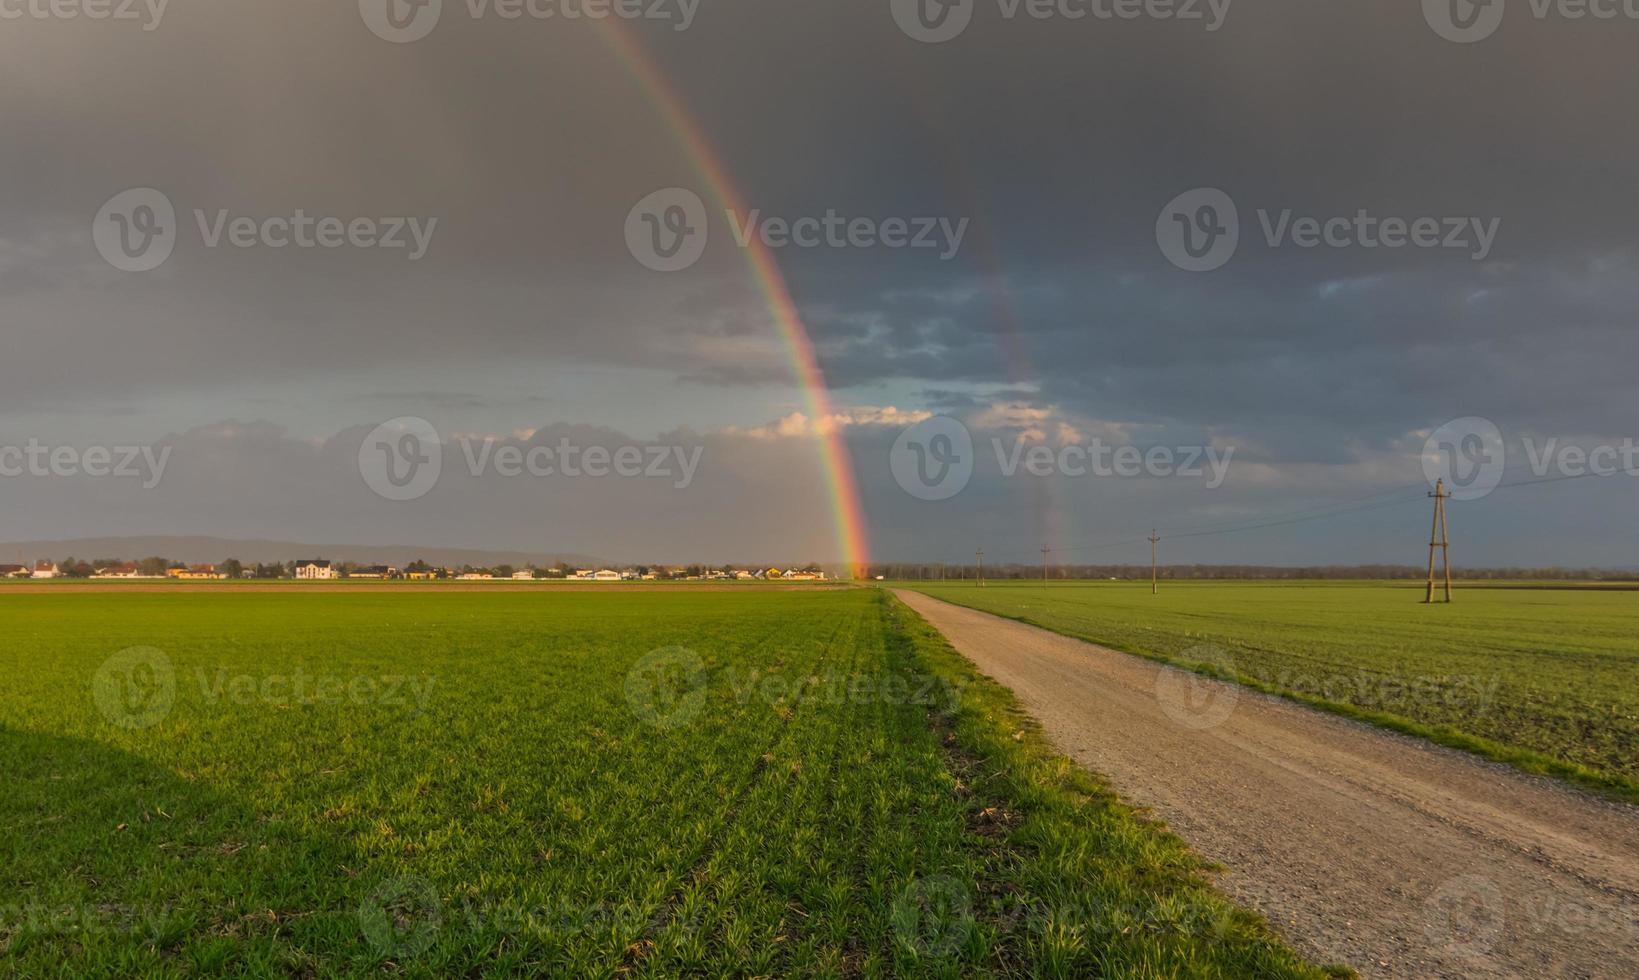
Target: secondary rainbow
x=847, y=512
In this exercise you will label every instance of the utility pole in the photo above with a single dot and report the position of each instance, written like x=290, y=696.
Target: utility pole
x=1155, y=559
x=981, y=557
x=1439, y=538
x=1044, y=551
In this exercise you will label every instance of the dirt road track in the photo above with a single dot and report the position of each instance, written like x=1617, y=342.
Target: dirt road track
x=1393, y=855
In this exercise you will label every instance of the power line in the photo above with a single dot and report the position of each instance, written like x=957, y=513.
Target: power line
x=1396, y=496
x=1343, y=512
x=1439, y=538
x=1155, y=566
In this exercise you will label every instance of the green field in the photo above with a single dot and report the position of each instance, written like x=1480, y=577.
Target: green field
x=1546, y=677
x=626, y=783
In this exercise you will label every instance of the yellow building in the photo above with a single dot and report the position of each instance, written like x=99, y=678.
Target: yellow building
x=196, y=573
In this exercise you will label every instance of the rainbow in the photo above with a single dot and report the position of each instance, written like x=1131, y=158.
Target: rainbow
x=847, y=511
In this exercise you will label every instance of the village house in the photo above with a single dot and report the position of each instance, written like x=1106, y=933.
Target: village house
x=14, y=571
x=123, y=570
x=315, y=569
x=46, y=569
x=374, y=572
x=198, y=573
x=524, y=575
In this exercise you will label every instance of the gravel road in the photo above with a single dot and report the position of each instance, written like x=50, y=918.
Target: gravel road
x=1361, y=846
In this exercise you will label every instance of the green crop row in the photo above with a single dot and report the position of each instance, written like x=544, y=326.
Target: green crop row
x=650, y=784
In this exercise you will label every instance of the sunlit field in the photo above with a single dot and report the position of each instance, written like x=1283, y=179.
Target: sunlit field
x=1546, y=677
x=627, y=783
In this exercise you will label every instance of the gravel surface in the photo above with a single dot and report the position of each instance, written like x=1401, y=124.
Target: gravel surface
x=1396, y=856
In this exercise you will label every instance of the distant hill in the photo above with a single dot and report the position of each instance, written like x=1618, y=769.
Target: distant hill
x=200, y=550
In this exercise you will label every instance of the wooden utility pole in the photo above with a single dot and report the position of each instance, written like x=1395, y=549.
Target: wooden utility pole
x=1044, y=551
x=1439, y=538
x=1155, y=563
x=981, y=556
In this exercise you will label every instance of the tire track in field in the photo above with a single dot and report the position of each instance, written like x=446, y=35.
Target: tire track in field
x=663, y=911
x=833, y=761
x=1392, y=854
x=666, y=912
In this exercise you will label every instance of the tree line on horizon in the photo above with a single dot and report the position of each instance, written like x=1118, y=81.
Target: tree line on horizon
x=1135, y=573
x=233, y=568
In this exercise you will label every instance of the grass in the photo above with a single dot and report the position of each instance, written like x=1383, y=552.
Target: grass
x=649, y=784
x=1545, y=679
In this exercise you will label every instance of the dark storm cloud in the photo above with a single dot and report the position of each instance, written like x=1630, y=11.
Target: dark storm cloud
x=1059, y=140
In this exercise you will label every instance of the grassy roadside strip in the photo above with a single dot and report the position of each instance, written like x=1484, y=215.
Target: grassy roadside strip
x=1608, y=785
x=1075, y=883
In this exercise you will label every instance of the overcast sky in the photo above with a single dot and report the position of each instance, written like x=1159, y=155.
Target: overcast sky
x=1058, y=318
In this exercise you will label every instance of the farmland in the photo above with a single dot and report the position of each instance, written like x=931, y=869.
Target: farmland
x=1545, y=678
x=595, y=784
